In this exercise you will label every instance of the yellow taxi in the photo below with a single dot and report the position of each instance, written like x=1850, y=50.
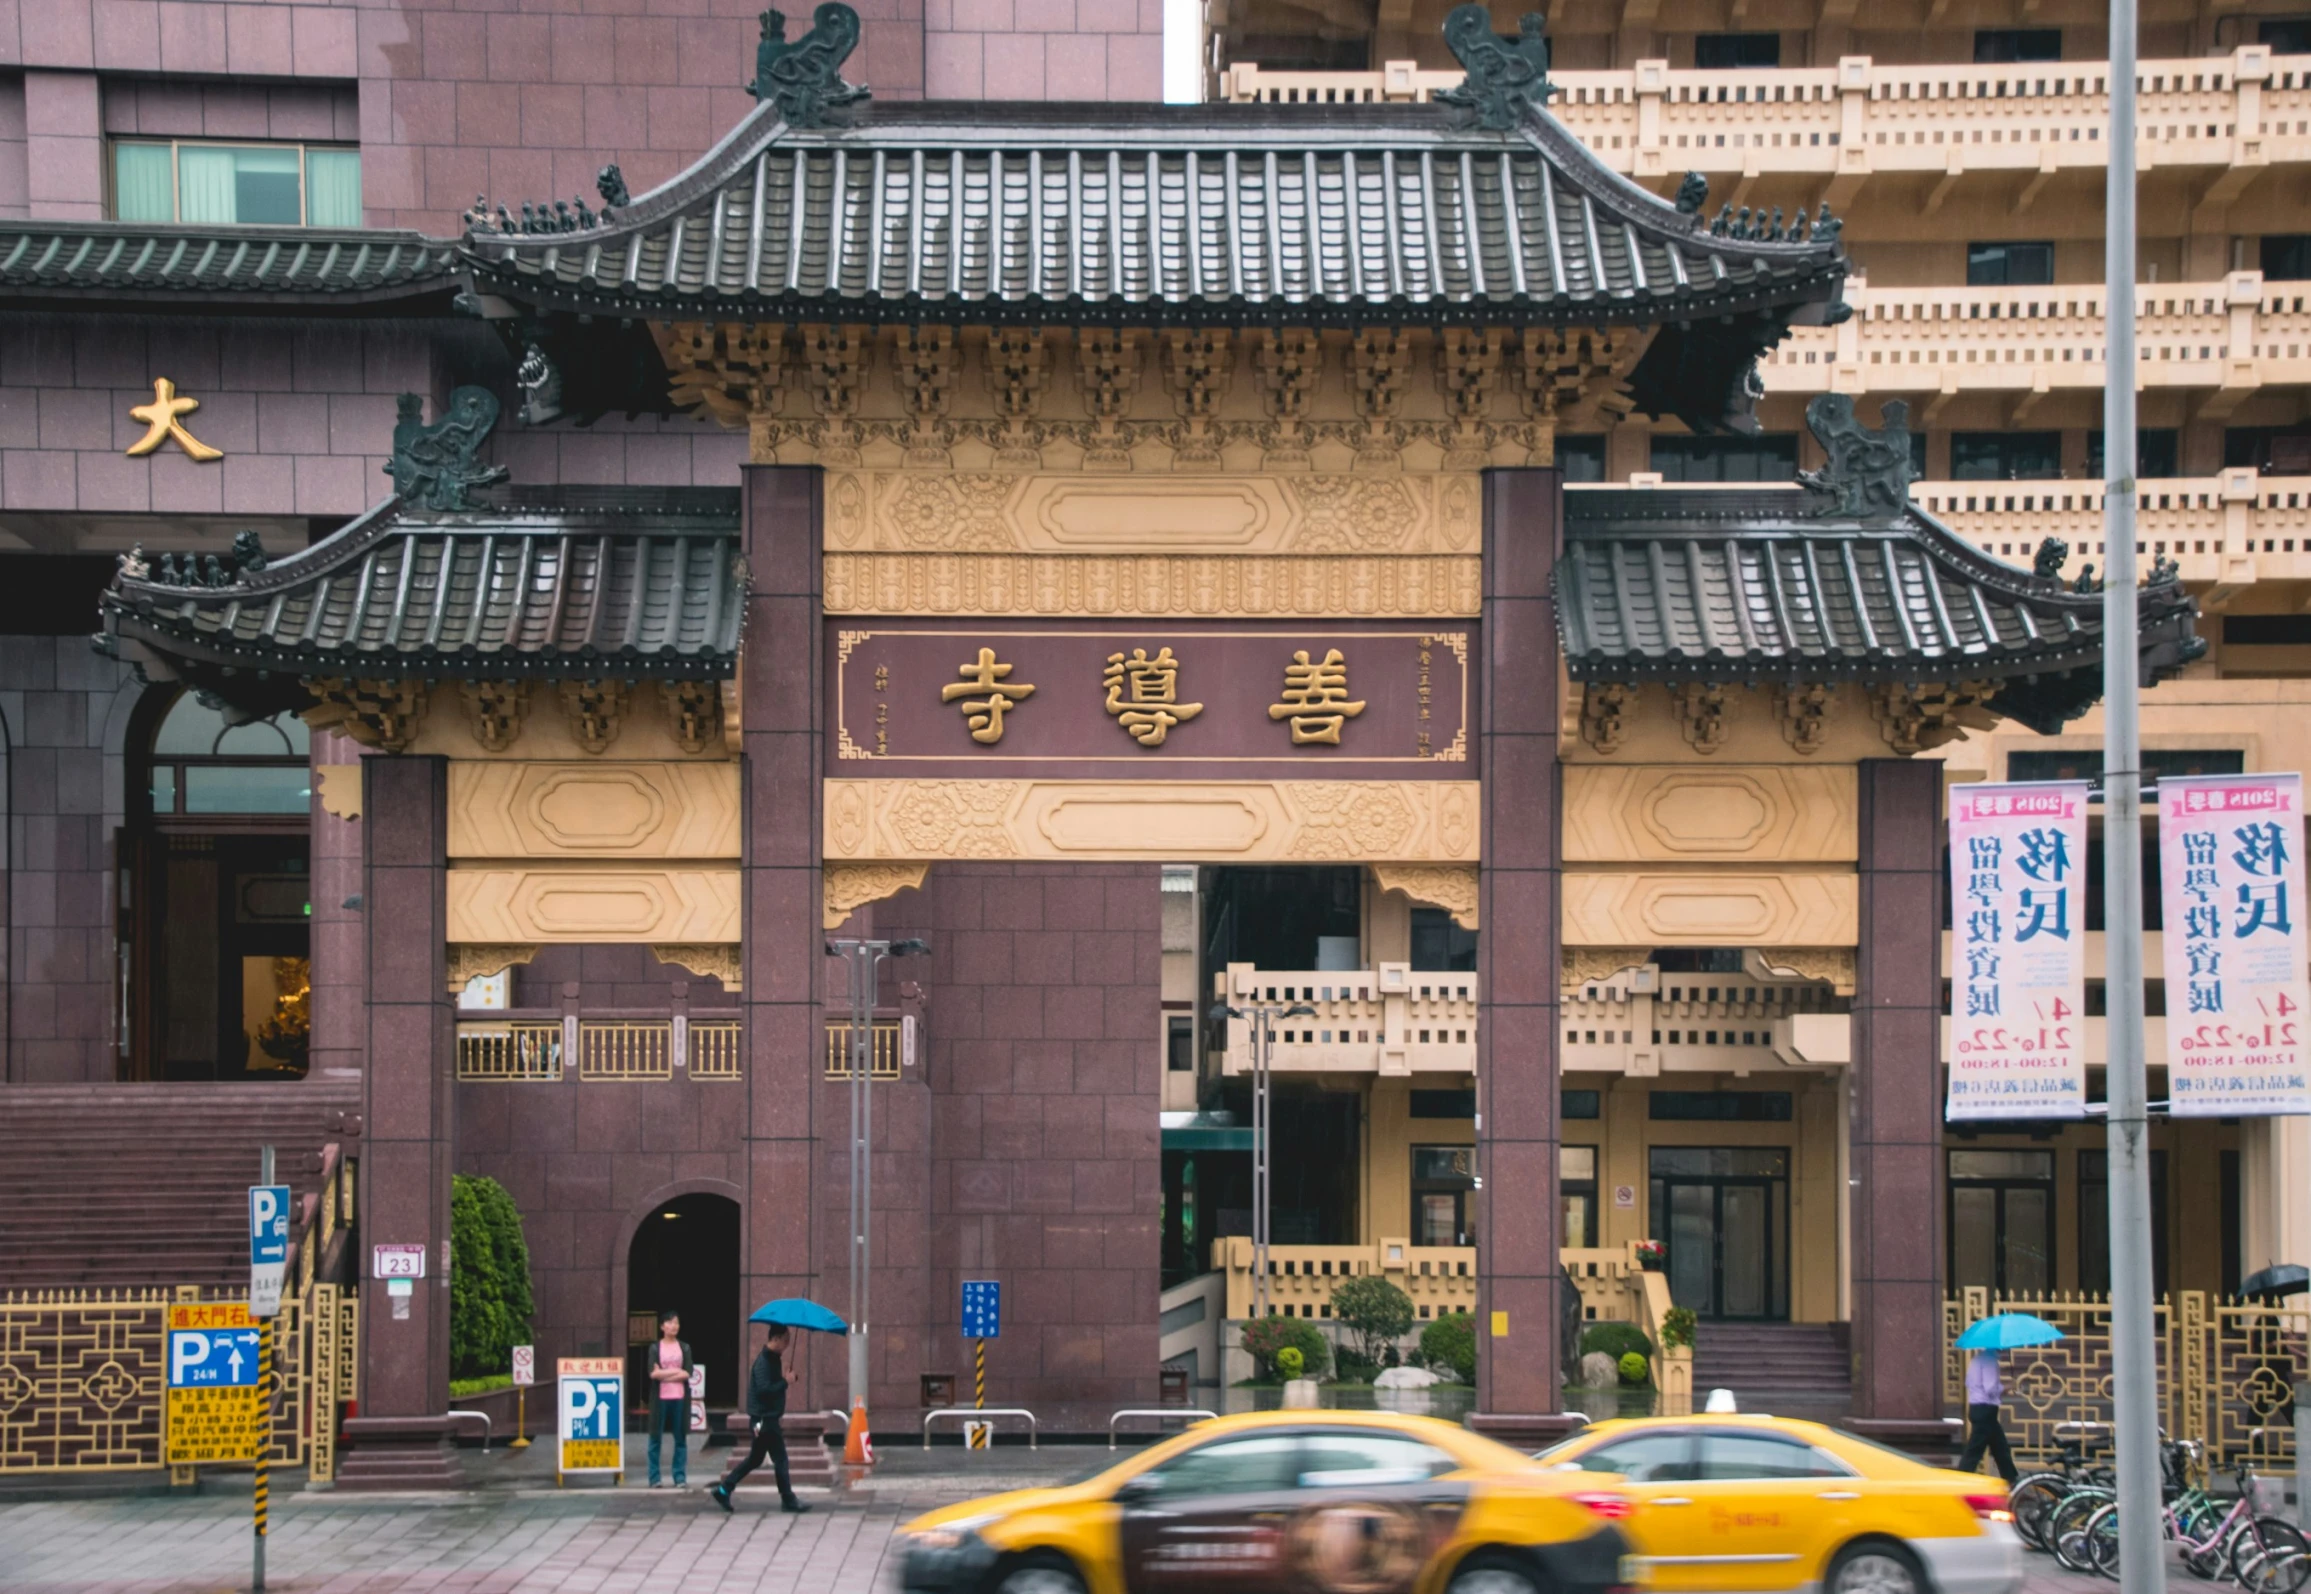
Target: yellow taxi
x=1735, y=1504
x=1298, y=1502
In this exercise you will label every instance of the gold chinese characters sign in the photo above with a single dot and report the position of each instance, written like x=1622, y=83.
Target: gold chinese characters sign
x=1163, y=700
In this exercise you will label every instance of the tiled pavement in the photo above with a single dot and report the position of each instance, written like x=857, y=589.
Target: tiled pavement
x=514, y=1536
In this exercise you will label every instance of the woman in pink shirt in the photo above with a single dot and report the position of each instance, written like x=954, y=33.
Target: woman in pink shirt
x=668, y=1370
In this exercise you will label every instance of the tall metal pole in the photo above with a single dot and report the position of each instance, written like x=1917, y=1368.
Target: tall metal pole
x=261, y=1493
x=862, y=957
x=2134, y=1374
x=1263, y=1038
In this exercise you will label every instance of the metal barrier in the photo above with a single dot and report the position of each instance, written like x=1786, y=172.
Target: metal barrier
x=975, y=1414
x=1197, y=1413
x=487, y=1431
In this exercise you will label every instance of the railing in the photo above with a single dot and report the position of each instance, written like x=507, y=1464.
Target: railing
x=1441, y=1279
x=884, y=1049
x=537, y=1048
x=2244, y=109
x=1639, y=1018
x=2226, y=1369
x=2235, y=334
x=1391, y=1019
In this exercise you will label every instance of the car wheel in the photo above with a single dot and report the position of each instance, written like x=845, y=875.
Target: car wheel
x=1040, y=1579
x=1491, y=1579
x=1875, y=1567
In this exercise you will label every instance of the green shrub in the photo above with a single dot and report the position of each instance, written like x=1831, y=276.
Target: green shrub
x=1375, y=1311
x=489, y=1278
x=1289, y=1361
x=1352, y=1366
x=1616, y=1340
x=1634, y=1368
x=1448, y=1345
x=1265, y=1336
x=1677, y=1327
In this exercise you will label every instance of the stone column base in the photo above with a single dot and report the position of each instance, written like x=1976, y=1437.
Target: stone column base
x=398, y=1453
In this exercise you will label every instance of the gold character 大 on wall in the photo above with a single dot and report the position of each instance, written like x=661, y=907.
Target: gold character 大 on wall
x=164, y=420
x=984, y=713
x=1153, y=706
x=1316, y=698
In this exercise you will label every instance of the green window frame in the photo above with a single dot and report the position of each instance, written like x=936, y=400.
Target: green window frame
x=234, y=182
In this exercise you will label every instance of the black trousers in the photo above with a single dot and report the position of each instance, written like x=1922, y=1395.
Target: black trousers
x=768, y=1441
x=1984, y=1433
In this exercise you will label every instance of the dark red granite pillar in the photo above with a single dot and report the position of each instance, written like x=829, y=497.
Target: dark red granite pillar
x=1517, y=1262
x=1896, y=1141
x=408, y=1148
x=784, y=957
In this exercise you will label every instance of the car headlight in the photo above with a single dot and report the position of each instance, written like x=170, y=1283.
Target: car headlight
x=950, y=1535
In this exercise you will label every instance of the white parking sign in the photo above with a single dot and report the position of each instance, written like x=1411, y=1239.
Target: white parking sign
x=590, y=1421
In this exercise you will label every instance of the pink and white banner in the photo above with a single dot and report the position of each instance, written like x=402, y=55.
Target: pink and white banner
x=2018, y=951
x=2231, y=862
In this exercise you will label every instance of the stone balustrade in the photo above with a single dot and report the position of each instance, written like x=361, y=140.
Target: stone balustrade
x=1441, y=1279
x=1643, y=1021
x=2241, y=111
x=1392, y=1019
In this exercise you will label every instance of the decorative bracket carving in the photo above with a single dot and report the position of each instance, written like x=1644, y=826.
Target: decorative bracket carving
x=433, y=466
x=923, y=366
x=1449, y=886
x=1914, y=718
x=595, y=709
x=1835, y=964
x=494, y=709
x=693, y=713
x=804, y=79
x=380, y=714
x=1507, y=78
x=1867, y=474
x=1468, y=369
x=1107, y=363
x=1805, y=716
x=1198, y=366
x=719, y=960
x=1289, y=364
x=477, y=960
x=1379, y=364
x=1018, y=370
x=835, y=369
x=850, y=885
x=729, y=369
x=1701, y=715
x=1605, y=715
x=1586, y=965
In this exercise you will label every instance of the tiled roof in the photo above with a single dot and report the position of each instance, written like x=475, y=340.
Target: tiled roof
x=1143, y=213
x=612, y=583
x=1725, y=586
x=127, y=259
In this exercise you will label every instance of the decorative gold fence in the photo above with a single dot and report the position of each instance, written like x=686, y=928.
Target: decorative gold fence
x=2226, y=1369
x=883, y=1053
x=714, y=1048
x=514, y=1050
x=83, y=1377
x=509, y=1051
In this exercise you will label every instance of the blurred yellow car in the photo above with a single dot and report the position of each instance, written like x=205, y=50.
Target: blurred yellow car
x=1299, y=1502
x=1736, y=1504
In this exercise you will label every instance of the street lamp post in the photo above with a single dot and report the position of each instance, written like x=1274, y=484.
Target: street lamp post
x=863, y=961
x=1263, y=1049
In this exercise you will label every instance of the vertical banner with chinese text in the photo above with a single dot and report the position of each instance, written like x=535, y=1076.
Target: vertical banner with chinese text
x=2231, y=866
x=2018, y=951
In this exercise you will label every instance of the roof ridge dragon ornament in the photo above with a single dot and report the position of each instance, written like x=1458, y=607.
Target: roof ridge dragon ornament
x=804, y=79
x=1504, y=75
x=1867, y=474
x=433, y=467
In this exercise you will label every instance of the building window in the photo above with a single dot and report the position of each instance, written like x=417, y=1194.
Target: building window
x=1581, y=1103
x=2271, y=450
x=2005, y=456
x=1440, y=945
x=1999, y=46
x=2157, y=452
x=1731, y=51
x=1444, y=1104
x=2285, y=257
x=2285, y=35
x=201, y=765
x=2009, y=265
x=2033, y=763
x=1770, y=458
x=1442, y=1179
x=2094, y=1221
x=1720, y=1106
x=282, y=185
x=2002, y=1221
x=1180, y=1044
x=2266, y=631
x=1581, y=458
x=1577, y=1194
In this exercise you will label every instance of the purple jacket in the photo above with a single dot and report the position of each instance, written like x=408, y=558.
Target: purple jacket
x=1983, y=1385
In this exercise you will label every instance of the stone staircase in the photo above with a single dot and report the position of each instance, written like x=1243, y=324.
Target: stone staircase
x=110, y=1186
x=1775, y=1365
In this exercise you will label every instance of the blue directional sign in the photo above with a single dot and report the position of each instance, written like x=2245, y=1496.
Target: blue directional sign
x=982, y=1309
x=212, y=1358
x=268, y=1225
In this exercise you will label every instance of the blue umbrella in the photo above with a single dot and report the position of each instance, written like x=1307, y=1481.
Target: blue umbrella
x=2009, y=1331
x=795, y=1312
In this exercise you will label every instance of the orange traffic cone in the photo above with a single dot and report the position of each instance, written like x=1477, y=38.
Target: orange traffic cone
x=858, y=1445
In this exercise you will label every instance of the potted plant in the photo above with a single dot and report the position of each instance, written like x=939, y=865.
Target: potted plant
x=1651, y=1254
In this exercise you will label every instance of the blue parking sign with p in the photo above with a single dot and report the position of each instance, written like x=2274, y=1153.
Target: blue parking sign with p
x=268, y=1224
x=212, y=1358
x=982, y=1309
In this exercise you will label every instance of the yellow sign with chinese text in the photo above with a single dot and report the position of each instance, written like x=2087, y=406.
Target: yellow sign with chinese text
x=216, y=1408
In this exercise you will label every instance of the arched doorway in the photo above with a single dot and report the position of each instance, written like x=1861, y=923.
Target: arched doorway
x=684, y=1257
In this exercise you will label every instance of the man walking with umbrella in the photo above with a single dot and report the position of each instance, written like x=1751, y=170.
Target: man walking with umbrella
x=1986, y=1389
x=766, y=1397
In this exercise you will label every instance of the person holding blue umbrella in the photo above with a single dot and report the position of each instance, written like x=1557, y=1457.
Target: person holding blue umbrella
x=1986, y=1389
x=766, y=1396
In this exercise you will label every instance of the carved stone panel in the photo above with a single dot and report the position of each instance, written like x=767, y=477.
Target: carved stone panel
x=503, y=809
x=1171, y=821
x=564, y=904
x=1746, y=813
x=1713, y=907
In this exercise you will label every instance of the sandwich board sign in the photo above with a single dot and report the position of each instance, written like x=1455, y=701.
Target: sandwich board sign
x=216, y=1410
x=590, y=1419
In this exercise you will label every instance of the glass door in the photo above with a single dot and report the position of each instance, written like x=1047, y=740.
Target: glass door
x=1723, y=1215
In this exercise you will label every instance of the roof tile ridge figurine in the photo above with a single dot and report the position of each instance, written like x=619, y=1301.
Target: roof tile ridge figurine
x=433, y=467
x=247, y=558
x=804, y=79
x=1867, y=474
x=1504, y=75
